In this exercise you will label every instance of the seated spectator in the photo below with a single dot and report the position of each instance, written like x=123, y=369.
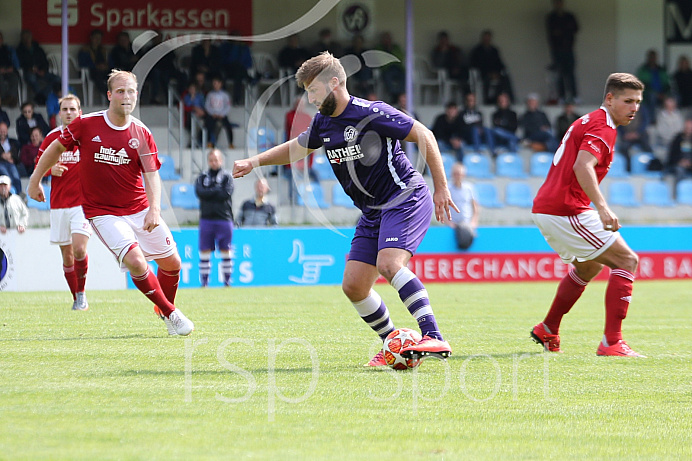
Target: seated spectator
x=565, y=119
x=29, y=152
x=634, y=134
x=657, y=84
x=402, y=105
x=448, y=129
x=27, y=121
x=326, y=43
x=536, y=126
x=53, y=105
x=121, y=56
x=218, y=106
x=202, y=83
x=293, y=54
x=464, y=222
x=9, y=157
x=393, y=74
x=4, y=117
x=257, y=211
x=447, y=56
x=361, y=82
x=474, y=132
x=34, y=64
x=682, y=79
x=505, y=124
x=9, y=74
x=669, y=122
x=193, y=102
x=165, y=70
x=680, y=153
x=205, y=57
x=93, y=57
x=236, y=63
x=13, y=212
x=486, y=58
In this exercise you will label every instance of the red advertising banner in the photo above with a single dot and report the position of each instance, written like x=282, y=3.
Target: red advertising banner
x=175, y=17
x=490, y=267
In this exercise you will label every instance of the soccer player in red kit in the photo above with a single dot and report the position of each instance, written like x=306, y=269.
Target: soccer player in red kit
x=68, y=227
x=116, y=152
x=586, y=237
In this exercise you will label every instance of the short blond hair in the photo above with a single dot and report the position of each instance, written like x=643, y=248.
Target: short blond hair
x=324, y=67
x=72, y=97
x=116, y=74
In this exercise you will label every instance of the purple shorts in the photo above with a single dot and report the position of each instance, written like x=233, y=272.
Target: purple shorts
x=401, y=226
x=213, y=231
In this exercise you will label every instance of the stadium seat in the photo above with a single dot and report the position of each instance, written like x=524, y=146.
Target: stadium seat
x=448, y=160
x=340, y=198
x=639, y=165
x=167, y=170
x=539, y=165
x=656, y=193
x=622, y=193
x=487, y=195
x=183, y=196
x=45, y=206
x=683, y=192
x=509, y=166
x=618, y=169
x=321, y=166
x=477, y=166
x=518, y=194
x=311, y=195
x=261, y=138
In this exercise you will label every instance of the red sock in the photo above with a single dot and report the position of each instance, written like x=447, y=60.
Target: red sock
x=568, y=292
x=617, y=301
x=71, y=277
x=148, y=284
x=169, y=283
x=81, y=268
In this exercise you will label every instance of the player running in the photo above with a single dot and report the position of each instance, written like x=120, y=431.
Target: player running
x=362, y=141
x=585, y=237
x=116, y=151
x=68, y=227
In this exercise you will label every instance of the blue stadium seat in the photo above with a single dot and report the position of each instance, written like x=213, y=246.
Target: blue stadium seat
x=683, y=192
x=622, y=193
x=509, y=166
x=448, y=160
x=311, y=195
x=45, y=206
x=183, y=196
x=321, y=166
x=167, y=170
x=487, y=195
x=618, y=169
x=340, y=198
x=539, y=165
x=477, y=166
x=656, y=193
x=639, y=165
x=518, y=194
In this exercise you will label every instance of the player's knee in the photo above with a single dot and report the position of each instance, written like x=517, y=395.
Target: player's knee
x=79, y=252
x=354, y=291
x=630, y=262
x=388, y=269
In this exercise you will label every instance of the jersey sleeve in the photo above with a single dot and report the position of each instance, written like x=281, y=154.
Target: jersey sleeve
x=147, y=151
x=310, y=138
x=390, y=122
x=595, y=142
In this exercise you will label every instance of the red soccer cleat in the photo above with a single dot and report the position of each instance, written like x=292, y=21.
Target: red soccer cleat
x=377, y=361
x=427, y=347
x=619, y=349
x=551, y=343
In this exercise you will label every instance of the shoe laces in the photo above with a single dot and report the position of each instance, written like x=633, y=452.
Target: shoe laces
x=175, y=319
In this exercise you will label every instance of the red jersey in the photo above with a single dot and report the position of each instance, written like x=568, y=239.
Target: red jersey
x=65, y=190
x=112, y=159
x=561, y=194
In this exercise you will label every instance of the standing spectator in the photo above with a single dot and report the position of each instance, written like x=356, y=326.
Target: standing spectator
x=447, y=56
x=562, y=29
x=9, y=74
x=13, y=211
x=257, y=211
x=164, y=71
x=214, y=189
x=448, y=129
x=565, y=119
x=27, y=121
x=193, y=102
x=393, y=74
x=669, y=122
x=293, y=55
x=121, y=56
x=361, y=81
x=655, y=78
x=536, y=126
x=218, y=106
x=34, y=63
x=505, y=124
x=486, y=58
x=29, y=152
x=682, y=78
x=94, y=58
x=680, y=153
x=325, y=42
x=236, y=64
x=205, y=57
x=465, y=221
x=9, y=157
x=4, y=117
x=474, y=132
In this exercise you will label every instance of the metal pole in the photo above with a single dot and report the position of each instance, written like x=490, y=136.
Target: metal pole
x=65, y=50
x=410, y=57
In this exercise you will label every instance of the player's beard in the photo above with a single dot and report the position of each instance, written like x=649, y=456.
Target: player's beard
x=328, y=106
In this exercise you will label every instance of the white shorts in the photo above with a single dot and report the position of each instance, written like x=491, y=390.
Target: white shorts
x=119, y=233
x=67, y=221
x=580, y=237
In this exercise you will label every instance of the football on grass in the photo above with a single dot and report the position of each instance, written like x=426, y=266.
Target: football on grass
x=394, y=343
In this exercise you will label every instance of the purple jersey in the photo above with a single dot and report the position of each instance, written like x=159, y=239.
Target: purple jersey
x=362, y=145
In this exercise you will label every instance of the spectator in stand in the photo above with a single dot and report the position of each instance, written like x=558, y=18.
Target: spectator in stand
x=680, y=153
x=218, y=107
x=448, y=129
x=293, y=54
x=53, y=104
x=121, y=56
x=9, y=157
x=634, y=134
x=193, y=101
x=13, y=211
x=202, y=83
x=447, y=56
x=474, y=132
x=562, y=29
x=205, y=57
x=682, y=79
x=236, y=64
x=27, y=121
x=655, y=78
x=93, y=57
x=361, y=82
x=34, y=64
x=9, y=74
x=537, y=130
x=486, y=58
x=402, y=104
x=393, y=74
x=465, y=221
x=669, y=122
x=257, y=211
x=29, y=152
x=505, y=124
x=160, y=76
x=326, y=43
x=4, y=117
x=565, y=119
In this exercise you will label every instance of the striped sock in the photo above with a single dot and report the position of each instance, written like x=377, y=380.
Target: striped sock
x=415, y=298
x=374, y=312
x=204, y=271
x=227, y=270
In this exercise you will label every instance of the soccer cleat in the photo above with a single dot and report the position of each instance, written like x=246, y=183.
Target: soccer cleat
x=80, y=302
x=377, y=361
x=427, y=347
x=181, y=324
x=551, y=343
x=619, y=349
x=169, y=324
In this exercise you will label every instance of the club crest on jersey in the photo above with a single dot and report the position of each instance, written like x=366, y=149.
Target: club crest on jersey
x=585, y=119
x=350, y=134
x=133, y=143
x=111, y=157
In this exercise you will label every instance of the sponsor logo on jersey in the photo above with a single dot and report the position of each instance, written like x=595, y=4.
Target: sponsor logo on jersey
x=594, y=147
x=133, y=143
x=350, y=134
x=111, y=157
x=326, y=139
x=70, y=156
x=392, y=239
x=96, y=139
x=585, y=119
x=345, y=154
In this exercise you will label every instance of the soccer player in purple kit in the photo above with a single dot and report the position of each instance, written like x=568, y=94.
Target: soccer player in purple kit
x=362, y=141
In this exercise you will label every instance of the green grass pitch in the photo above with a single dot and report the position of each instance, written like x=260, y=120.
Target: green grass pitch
x=276, y=373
